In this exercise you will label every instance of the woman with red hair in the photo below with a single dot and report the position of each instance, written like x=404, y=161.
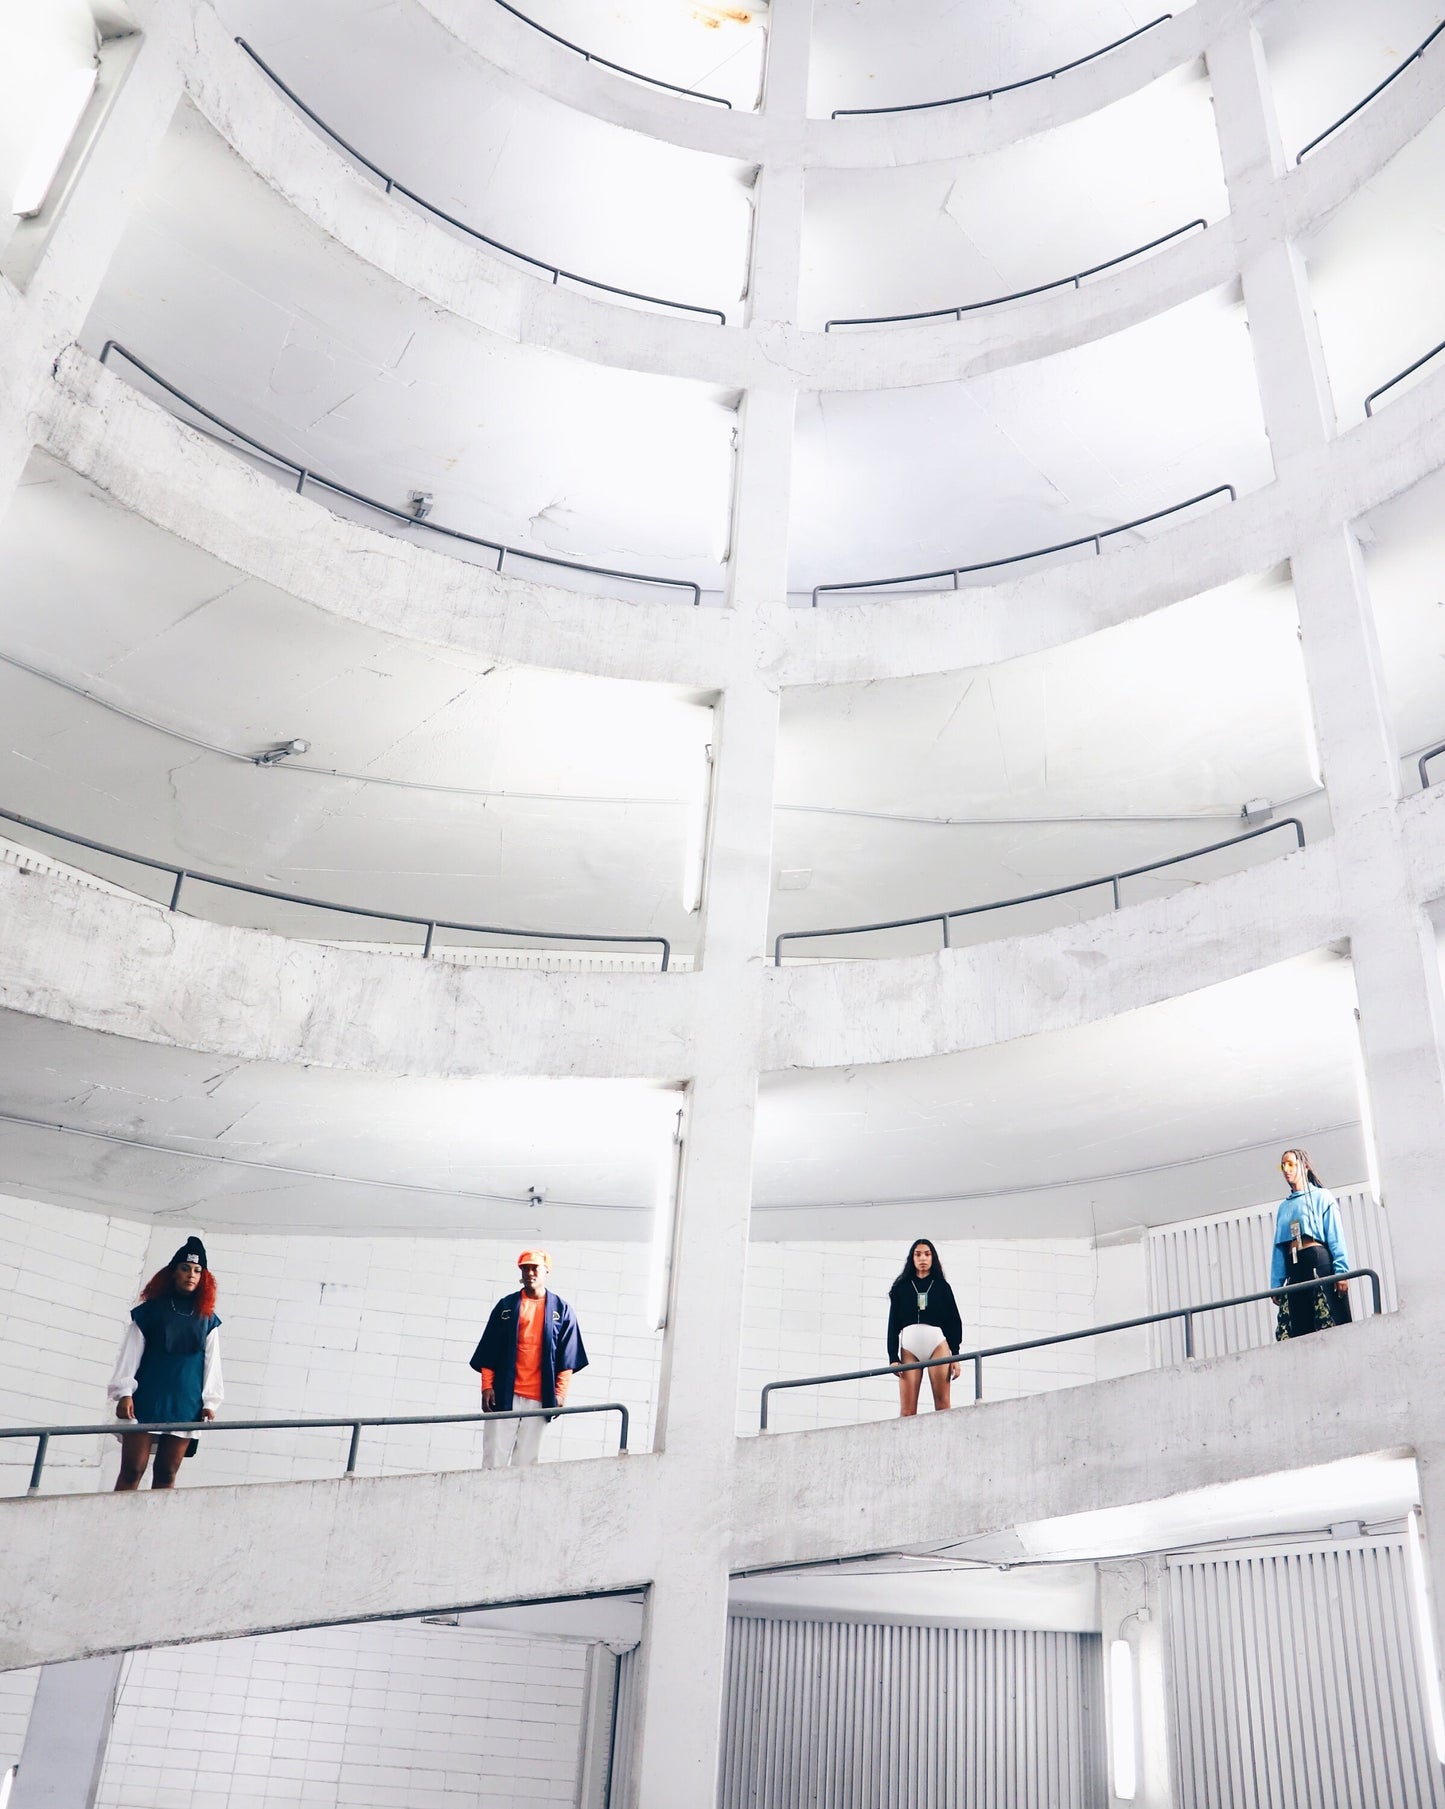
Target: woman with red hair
x=169, y=1367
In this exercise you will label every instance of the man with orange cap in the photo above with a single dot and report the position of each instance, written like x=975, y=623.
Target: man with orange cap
x=527, y=1356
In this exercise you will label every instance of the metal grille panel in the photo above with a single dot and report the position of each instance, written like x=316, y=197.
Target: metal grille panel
x=856, y=1716
x=1295, y=1681
x=1211, y=1259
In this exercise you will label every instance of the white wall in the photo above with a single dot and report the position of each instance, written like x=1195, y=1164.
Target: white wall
x=390, y=1716
x=17, y=1692
x=67, y=1280
x=313, y=1326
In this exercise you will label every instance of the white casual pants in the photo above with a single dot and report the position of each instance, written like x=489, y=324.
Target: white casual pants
x=511, y=1441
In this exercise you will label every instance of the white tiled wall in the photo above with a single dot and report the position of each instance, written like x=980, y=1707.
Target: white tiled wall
x=17, y=1692
x=67, y=1281
x=813, y=1308
x=313, y=1326
x=392, y=1716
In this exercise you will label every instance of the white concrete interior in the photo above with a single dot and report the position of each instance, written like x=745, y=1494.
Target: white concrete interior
x=1069, y=1100
x=894, y=241
x=957, y=473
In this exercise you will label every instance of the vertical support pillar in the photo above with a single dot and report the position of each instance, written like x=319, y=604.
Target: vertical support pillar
x=55, y=266
x=1284, y=336
x=65, y=1739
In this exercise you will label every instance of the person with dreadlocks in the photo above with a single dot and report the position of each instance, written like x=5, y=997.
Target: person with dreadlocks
x=1308, y=1245
x=169, y=1367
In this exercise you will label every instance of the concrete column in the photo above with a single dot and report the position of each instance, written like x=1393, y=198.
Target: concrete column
x=1133, y=1607
x=1284, y=336
x=1392, y=942
x=56, y=264
x=66, y=1736
x=778, y=197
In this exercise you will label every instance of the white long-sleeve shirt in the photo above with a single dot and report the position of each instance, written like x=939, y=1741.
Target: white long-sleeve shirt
x=132, y=1349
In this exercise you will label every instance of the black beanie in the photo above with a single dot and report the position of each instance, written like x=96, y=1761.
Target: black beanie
x=192, y=1247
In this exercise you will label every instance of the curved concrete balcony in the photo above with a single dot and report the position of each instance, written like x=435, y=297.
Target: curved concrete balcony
x=360, y=1548
x=107, y=962
x=479, y=287
x=173, y=476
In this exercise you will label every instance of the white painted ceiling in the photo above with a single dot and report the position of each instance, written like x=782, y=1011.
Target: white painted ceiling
x=1324, y=55
x=1166, y=1113
x=936, y=235
x=379, y=1154
x=883, y=53
x=546, y=179
x=886, y=484
x=1377, y=272
x=231, y=295
x=1024, y=1576
x=1163, y=1114
x=492, y=794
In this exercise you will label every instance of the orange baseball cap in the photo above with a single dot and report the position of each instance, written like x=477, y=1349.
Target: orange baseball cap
x=535, y=1256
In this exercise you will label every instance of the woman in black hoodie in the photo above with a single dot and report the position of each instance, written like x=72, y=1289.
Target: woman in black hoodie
x=923, y=1322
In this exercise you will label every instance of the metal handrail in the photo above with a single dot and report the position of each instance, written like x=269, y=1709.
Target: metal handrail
x=976, y=1357
x=590, y=56
x=430, y=924
x=1003, y=87
x=987, y=565
x=997, y=301
x=1380, y=88
x=305, y=475
x=193, y=1428
x=1430, y=754
x=1083, y=885
x=1400, y=376
x=555, y=271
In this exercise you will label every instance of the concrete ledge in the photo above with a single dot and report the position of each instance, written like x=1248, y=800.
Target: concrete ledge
x=844, y=1013
x=345, y=1550
x=201, y=1563
x=133, y=449
x=895, y=1483
x=133, y=969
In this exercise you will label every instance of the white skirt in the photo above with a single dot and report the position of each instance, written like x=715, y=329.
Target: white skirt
x=920, y=1341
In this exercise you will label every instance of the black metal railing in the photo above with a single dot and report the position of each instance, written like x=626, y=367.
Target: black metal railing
x=1048, y=75
x=997, y=301
x=976, y=1357
x=179, y=875
x=1431, y=753
x=305, y=475
x=393, y=187
x=955, y=572
x=1400, y=376
x=943, y=918
x=1377, y=90
x=193, y=1428
x=591, y=56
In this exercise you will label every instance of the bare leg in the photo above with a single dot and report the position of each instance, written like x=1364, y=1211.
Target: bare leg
x=938, y=1379
x=908, y=1386
x=168, y=1461
x=135, y=1452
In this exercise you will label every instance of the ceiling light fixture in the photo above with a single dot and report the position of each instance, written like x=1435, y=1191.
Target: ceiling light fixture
x=279, y=751
x=664, y=1222
x=694, y=854
x=66, y=105
x=1122, y=1721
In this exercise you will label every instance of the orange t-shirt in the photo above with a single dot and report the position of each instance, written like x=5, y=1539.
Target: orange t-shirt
x=530, y=1317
